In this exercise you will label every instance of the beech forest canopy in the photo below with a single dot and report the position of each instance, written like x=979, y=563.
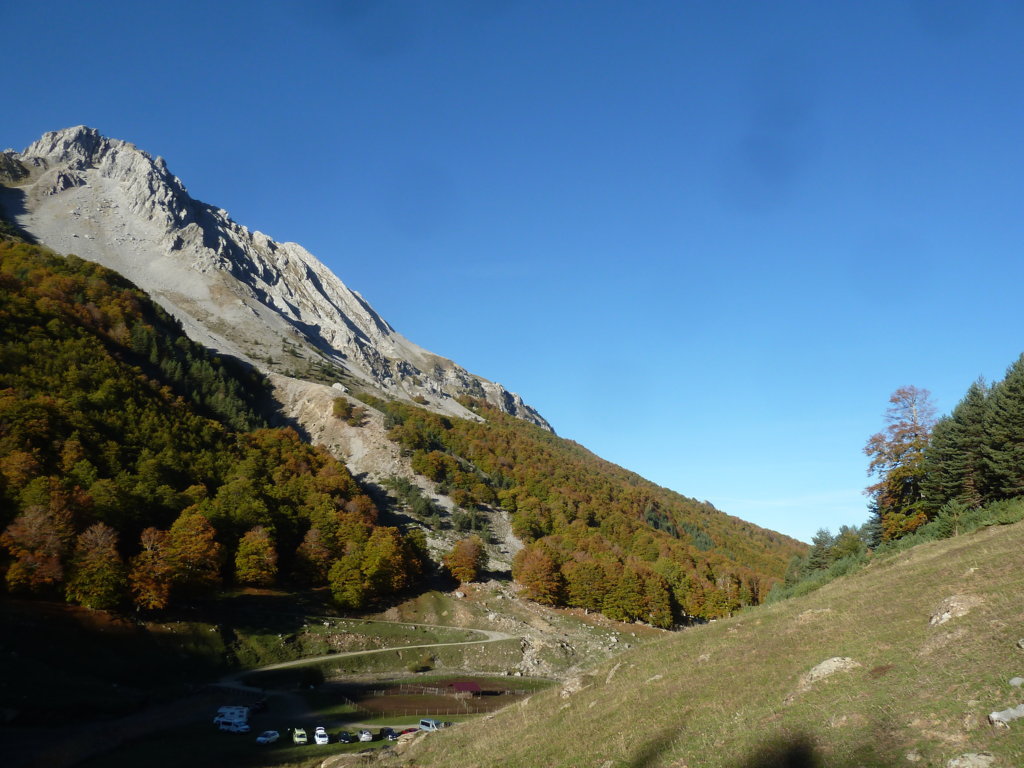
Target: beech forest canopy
x=137, y=467
x=597, y=536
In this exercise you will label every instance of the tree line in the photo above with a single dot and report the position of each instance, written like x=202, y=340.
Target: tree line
x=934, y=477
x=928, y=467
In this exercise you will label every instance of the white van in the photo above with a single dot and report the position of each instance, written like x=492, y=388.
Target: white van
x=432, y=725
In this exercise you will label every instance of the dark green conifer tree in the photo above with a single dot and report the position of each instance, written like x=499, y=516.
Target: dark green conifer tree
x=1004, y=454
x=955, y=467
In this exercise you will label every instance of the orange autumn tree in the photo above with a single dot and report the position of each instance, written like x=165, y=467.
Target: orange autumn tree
x=535, y=567
x=150, y=573
x=897, y=459
x=466, y=559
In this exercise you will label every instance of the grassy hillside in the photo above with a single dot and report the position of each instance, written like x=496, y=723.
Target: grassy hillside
x=737, y=693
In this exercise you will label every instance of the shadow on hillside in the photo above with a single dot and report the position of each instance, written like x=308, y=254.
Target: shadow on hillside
x=12, y=207
x=796, y=750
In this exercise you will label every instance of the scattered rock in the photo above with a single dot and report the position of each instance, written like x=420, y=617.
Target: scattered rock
x=953, y=608
x=972, y=760
x=1005, y=717
x=1020, y=643
x=913, y=756
x=460, y=594
x=571, y=686
x=821, y=671
x=1017, y=682
x=829, y=667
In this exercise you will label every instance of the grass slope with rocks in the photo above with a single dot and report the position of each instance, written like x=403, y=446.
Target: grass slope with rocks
x=897, y=665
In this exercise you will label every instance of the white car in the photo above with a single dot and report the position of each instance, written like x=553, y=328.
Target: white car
x=365, y=735
x=299, y=736
x=320, y=735
x=268, y=737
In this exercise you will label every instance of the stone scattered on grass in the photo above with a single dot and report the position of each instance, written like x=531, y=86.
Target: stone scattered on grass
x=972, y=760
x=821, y=671
x=1006, y=716
x=1017, y=682
x=953, y=608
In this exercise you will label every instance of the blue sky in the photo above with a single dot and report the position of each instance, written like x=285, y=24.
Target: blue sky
x=705, y=240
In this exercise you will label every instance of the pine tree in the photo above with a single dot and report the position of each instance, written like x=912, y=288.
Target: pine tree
x=820, y=555
x=1004, y=454
x=955, y=468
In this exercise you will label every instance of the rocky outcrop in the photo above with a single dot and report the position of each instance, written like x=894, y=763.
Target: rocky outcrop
x=233, y=289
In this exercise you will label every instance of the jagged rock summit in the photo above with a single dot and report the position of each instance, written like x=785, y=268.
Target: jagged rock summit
x=235, y=290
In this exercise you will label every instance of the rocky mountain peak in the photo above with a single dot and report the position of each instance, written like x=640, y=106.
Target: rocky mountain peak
x=233, y=289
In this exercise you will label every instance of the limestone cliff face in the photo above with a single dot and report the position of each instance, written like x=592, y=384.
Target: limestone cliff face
x=233, y=289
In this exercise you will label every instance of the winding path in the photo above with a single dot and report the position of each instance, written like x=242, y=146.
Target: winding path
x=490, y=636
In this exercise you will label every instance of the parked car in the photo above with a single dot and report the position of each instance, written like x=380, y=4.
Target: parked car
x=365, y=735
x=299, y=736
x=268, y=737
x=320, y=735
x=408, y=730
x=433, y=725
x=344, y=737
x=388, y=733
x=260, y=706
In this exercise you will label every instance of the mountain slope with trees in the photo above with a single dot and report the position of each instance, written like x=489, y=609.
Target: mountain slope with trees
x=596, y=535
x=135, y=465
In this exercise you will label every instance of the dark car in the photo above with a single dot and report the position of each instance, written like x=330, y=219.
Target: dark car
x=388, y=733
x=344, y=737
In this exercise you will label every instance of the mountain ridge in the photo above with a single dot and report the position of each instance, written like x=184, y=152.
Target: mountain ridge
x=106, y=200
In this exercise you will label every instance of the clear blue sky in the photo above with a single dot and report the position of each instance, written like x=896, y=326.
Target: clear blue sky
x=705, y=240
